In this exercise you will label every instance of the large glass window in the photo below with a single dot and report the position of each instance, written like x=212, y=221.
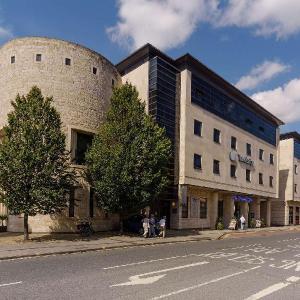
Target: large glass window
x=197, y=128
x=81, y=143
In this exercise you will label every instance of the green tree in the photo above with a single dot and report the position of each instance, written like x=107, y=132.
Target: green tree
x=128, y=161
x=35, y=173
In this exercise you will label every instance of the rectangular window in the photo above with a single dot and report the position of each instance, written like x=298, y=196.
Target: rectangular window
x=260, y=178
x=12, y=59
x=216, y=167
x=38, y=57
x=91, y=203
x=72, y=203
x=197, y=161
x=271, y=159
x=197, y=128
x=203, y=209
x=68, y=61
x=271, y=181
x=233, y=171
x=81, y=143
x=248, y=175
x=94, y=70
x=248, y=149
x=217, y=136
x=261, y=154
x=112, y=83
x=185, y=209
x=233, y=143
x=194, y=207
x=295, y=187
x=296, y=169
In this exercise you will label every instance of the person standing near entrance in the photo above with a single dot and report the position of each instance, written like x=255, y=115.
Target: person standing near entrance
x=162, y=227
x=152, y=226
x=146, y=226
x=243, y=222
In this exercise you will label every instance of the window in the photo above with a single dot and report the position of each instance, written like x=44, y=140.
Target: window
x=197, y=161
x=260, y=178
x=81, y=142
x=12, y=59
x=233, y=171
x=68, y=61
x=216, y=167
x=95, y=70
x=217, y=136
x=248, y=175
x=38, y=57
x=271, y=159
x=203, y=209
x=248, y=149
x=185, y=208
x=295, y=188
x=233, y=143
x=197, y=128
x=91, y=203
x=296, y=169
x=72, y=203
x=271, y=181
x=112, y=83
x=261, y=154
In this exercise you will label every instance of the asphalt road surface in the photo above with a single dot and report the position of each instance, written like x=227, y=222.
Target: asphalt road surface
x=259, y=267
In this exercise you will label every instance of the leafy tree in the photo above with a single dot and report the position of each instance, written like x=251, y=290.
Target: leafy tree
x=35, y=174
x=127, y=162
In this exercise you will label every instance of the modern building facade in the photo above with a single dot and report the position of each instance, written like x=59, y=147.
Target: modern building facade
x=80, y=81
x=286, y=210
x=225, y=160
x=225, y=146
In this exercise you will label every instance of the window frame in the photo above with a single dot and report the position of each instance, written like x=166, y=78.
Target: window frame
x=12, y=59
x=218, y=140
x=185, y=209
x=203, y=213
x=271, y=159
x=261, y=153
x=271, y=179
x=231, y=169
x=197, y=156
x=68, y=61
x=38, y=57
x=217, y=170
x=248, y=149
x=233, y=146
x=199, y=123
x=261, y=178
x=248, y=171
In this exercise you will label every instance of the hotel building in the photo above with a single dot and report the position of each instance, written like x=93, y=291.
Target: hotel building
x=286, y=210
x=225, y=145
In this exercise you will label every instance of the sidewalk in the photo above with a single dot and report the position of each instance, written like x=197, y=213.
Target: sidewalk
x=12, y=245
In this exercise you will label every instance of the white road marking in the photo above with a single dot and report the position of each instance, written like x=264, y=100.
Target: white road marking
x=150, y=261
x=273, y=288
x=11, y=283
x=203, y=284
x=136, y=279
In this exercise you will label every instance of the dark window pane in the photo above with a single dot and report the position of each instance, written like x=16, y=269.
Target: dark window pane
x=261, y=154
x=203, y=209
x=217, y=136
x=260, y=176
x=271, y=159
x=197, y=127
x=185, y=208
x=233, y=171
x=94, y=70
x=271, y=181
x=248, y=149
x=248, y=175
x=197, y=161
x=68, y=61
x=38, y=57
x=216, y=167
x=12, y=59
x=233, y=143
x=84, y=141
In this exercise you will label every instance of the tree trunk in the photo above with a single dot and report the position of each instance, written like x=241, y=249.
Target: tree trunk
x=26, y=234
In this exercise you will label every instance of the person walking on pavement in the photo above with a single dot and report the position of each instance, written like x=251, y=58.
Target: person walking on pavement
x=243, y=222
x=162, y=227
x=146, y=226
x=152, y=226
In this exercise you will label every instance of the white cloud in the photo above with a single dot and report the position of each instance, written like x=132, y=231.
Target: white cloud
x=283, y=102
x=260, y=74
x=5, y=33
x=267, y=17
x=164, y=23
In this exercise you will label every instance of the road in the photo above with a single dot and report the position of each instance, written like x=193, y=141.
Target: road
x=259, y=267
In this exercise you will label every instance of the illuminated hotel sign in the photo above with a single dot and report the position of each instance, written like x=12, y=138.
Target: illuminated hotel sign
x=234, y=156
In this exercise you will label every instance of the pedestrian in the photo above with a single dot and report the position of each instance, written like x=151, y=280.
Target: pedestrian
x=152, y=226
x=243, y=222
x=162, y=226
x=146, y=226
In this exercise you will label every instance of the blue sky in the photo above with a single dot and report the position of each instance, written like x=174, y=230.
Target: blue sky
x=252, y=44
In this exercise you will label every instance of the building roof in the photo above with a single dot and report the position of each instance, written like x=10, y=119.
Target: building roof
x=187, y=61
x=290, y=135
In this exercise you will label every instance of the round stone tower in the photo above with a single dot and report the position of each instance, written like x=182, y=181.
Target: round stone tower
x=80, y=81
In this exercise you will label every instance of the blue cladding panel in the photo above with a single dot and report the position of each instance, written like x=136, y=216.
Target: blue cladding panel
x=216, y=102
x=297, y=149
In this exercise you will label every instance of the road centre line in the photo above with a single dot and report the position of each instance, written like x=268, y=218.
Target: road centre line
x=11, y=283
x=273, y=288
x=204, y=283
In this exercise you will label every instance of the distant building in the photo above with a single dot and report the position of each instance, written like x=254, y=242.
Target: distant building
x=286, y=210
x=225, y=159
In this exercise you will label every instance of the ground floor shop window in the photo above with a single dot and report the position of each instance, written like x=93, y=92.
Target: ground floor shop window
x=297, y=215
x=194, y=207
x=185, y=208
x=220, y=209
x=291, y=215
x=203, y=208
